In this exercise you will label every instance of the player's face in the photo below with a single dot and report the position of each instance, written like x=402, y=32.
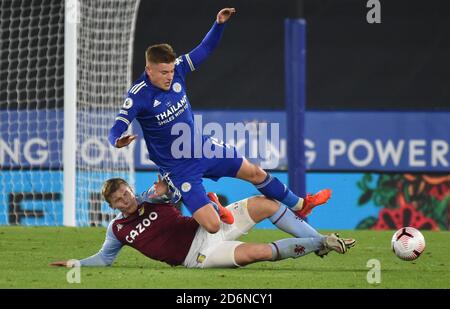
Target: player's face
x=161, y=74
x=124, y=200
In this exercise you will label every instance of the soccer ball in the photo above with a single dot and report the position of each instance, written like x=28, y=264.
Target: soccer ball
x=408, y=243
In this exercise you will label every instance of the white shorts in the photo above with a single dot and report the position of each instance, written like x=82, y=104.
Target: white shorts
x=217, y=250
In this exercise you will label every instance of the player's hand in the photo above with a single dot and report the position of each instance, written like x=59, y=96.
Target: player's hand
x=125, y=140
x=68, y=263
x=224, y=15
x=59, y=263
x=160, y=186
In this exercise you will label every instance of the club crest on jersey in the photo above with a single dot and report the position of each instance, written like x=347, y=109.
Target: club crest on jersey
x=128, y=103
x=200, y=258
x=141, y=211
x=176, y=87
x=186, y=187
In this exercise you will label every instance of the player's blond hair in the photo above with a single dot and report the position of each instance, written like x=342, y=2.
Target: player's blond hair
x=110, y=186
x=160, y=53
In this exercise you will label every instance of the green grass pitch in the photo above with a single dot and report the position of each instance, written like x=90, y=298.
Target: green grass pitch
x=26, y=252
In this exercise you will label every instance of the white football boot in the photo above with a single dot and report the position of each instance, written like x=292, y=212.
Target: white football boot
x=333, y=242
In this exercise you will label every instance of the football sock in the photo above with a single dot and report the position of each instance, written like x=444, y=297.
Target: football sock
x=216, y=207
x=294, y=247
x=275, y=189
x=287, y=221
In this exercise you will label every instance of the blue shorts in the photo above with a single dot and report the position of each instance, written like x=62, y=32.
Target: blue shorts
x=187, y=178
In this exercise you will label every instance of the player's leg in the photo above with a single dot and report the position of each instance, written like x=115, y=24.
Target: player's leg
x=273, y=188
x=221, y=254
x=248, y=253
x=248, y=212
x=197, y=202
x=234, y=166
x=224, y=213
x=227, y=254
x=268, y=185
x=260, y=208
x=207, y=217
x=234, y=253
x=221, y=249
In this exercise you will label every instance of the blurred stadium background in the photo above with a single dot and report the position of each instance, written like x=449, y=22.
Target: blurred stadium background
x=376, y=125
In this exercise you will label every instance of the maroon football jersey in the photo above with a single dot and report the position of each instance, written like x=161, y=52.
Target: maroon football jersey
x=158, y=231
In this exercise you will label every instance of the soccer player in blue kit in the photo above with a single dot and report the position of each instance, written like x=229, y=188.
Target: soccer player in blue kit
x=159, y=102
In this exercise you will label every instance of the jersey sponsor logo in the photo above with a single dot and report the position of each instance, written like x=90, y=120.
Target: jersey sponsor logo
x=141, y=227
x=186, y=187
x=172, y=111
x=156, y=103
x=128, y=103
x=176, y=87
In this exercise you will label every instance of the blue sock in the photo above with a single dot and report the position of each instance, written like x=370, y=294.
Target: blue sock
x=287, y=221
x=215, y=206
x=294, y=247
x=275, y=189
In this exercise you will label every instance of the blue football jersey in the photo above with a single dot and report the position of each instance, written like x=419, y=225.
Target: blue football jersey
x=157, y=110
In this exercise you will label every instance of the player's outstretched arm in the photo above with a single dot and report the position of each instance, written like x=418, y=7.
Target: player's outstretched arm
x=130, y=109
x=211, y=40
x=95, y=260
x=105, y=257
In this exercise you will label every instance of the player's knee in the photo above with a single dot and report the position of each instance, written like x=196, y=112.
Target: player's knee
x=207, y=217
x=260, y=173
x=257, y=174
x=212, y=227
x=261, y=207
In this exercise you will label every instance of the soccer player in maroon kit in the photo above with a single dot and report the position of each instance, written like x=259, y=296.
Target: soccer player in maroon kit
x=151, y=224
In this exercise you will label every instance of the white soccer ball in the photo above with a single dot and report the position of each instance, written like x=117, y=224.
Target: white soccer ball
x=408, y=243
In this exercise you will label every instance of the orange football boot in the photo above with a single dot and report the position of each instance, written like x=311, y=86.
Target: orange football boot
x=225, y=214
x=313, y=200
